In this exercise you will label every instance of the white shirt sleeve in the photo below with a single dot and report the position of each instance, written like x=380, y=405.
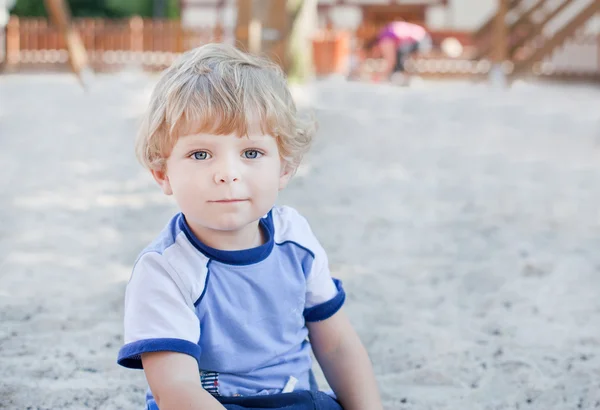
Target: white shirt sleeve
x=324, y=294
x=159, y=315
x=320, y=287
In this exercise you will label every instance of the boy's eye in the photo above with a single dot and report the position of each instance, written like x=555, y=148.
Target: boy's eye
x=200, y=155
x=252, y=154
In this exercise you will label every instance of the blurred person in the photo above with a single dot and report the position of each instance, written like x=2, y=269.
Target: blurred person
x=223, y=308
x=394, y=44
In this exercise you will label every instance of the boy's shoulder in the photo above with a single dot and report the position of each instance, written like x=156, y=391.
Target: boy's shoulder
x=165, y=239
x=291, y=227
x=171, y=241
x=289, y=224
x=172, y=255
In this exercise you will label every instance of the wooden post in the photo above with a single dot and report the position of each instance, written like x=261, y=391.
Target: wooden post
x=61, y=17
x=500, y=54
x=179, y=42
x=276, y=32
x=13, y=42
x=136, y=34
x=484, y=30
x=242, y=27
x=255, y=36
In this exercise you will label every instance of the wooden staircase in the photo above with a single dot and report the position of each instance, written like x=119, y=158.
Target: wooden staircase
x=547, y=46
x=483, y=37
x=526, y=43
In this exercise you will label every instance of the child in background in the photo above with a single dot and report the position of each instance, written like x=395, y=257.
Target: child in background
x=395, y=43
x=223, y=308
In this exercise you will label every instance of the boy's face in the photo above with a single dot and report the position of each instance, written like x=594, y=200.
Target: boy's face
x=224, y=182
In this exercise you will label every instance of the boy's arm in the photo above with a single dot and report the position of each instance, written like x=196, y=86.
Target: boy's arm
x=345, y=362
x=174, y=380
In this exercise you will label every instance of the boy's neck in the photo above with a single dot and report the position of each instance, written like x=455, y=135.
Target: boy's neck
x=248, y=237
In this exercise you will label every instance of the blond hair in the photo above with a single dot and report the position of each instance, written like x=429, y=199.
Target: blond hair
x=220, y=90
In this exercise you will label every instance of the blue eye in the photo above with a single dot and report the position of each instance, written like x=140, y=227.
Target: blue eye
x=252, y=154
x=200, y=155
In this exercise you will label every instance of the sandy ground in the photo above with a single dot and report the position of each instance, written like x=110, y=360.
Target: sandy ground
x=464, y=222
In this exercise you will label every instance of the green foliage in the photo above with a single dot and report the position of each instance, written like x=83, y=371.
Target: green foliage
x=30, y=8
x=98, y=8
x=131, y=7
x=173, y=11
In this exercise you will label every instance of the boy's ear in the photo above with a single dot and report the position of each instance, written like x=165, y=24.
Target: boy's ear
x=161, y=177
x=287, y=172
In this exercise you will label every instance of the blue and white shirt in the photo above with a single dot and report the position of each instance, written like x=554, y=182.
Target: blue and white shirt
x=241, y=314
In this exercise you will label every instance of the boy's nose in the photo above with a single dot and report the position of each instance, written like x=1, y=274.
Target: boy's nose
x=226, y=173
x=225, y=178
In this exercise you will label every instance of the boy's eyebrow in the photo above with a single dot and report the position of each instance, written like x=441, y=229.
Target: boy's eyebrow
x=197, y=141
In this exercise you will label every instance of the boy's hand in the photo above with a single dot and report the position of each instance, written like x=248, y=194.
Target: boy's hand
x=174, y=380
x=345, y=362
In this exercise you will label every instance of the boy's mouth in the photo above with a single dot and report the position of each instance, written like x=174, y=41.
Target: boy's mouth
x=228, y=201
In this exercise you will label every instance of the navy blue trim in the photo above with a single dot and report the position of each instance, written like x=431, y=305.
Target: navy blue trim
x=311, y=253
x=241, y=257
x=196, y=303
x=300, y=399
x=173, y=225
x=326, y=309
x=130, y=354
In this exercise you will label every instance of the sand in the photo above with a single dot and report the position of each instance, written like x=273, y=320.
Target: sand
x=464, y=222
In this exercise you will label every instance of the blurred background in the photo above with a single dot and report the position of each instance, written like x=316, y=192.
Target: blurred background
x=460, y=204
x=551, y=38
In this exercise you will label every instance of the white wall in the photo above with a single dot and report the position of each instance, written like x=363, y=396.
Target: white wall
x=567, y=14
x=203, y=13
x=461, y=14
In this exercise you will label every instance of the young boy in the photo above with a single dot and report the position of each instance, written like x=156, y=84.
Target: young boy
x=219, y=307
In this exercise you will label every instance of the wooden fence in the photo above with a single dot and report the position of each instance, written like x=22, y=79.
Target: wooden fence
x=154, y=44
x=111, y=44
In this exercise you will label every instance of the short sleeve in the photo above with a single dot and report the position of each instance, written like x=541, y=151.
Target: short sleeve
x=324, y=294
x=158, y=315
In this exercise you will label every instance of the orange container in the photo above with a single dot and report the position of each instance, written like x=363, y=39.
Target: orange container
x=331, y=52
